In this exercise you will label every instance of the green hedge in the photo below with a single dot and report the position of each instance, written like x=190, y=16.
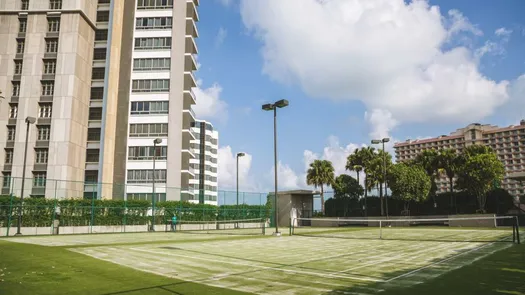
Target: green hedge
x=84, y=212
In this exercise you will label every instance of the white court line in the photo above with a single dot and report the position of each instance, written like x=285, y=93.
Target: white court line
x=439, y=262
x=265, y=267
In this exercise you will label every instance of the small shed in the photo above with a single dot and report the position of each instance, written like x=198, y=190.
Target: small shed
x=294, y=204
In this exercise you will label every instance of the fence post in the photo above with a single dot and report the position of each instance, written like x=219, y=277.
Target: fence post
x=10, y=213
x=54, y=210
x=92, y=213
x=125, y=213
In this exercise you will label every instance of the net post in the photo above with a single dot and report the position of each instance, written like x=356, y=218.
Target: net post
x=380, y=230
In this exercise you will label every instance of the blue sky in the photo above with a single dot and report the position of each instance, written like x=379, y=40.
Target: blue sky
x=351, y=76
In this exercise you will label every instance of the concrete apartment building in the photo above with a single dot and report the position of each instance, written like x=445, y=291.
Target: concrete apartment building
x=103, y=78
x=508, y=142
x=205, y=147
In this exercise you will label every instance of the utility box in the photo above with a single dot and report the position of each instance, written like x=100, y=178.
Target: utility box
x=292, y=204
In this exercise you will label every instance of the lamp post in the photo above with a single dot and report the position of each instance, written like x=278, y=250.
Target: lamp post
x=273, y=107
x=29, y=121
x=383, y=141
x=238, y=155
x=155, y=142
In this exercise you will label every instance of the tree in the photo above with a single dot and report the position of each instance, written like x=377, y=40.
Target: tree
x=450, y=162
x=478, y=173
x=321, y=172
x=429, y=161
x=359, y=161
x=345, y=186
x=377, y=172
x=409, y=183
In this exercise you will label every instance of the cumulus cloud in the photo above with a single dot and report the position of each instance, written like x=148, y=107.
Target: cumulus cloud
x=388, y=54
x=209, y=105
x=503, y=32
x=221, y=35
x=227, y=170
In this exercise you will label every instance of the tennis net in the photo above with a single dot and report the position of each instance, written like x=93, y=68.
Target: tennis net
x=255, y=226
x=467, y=229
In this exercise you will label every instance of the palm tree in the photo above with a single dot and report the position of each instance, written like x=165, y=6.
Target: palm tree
x=449, y=161
x=359, y=161
x=321, y=172
x=377, y=174
x=429, y=160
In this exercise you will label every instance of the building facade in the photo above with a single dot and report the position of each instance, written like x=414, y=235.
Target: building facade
x=103, y=79
x=507, y=142
x=205, y=146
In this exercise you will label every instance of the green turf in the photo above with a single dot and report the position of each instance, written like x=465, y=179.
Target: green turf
x=34, y=269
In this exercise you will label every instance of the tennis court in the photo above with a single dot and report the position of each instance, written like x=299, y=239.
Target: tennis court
x=315, y=260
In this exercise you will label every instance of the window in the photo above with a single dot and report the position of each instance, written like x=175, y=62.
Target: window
x=39, y=179
x=48, y=88
x=41, y=156
x=20, y=44
x=55, y=4
x=95, y=114
x=45, y=110
x=149, y=23
x=53, y=25
x=148, y=130
x=151, y=85
x=11, y=132
x=50, y=67
x=8, y=156
x=147, y=153
x=103, y=1
x=151, y=64
x=13, y=110
x=97, y=93
x=146, y=176
x=6, y=179
x=101, y=35
x=25, y=5
x=161, y=197
x=98, y=73
x=22, y=28
x=93, y=134
x=43, y=132
x=51, y=45
x=149, y=107
x=103, y=16
x=154, y=4
x=18, y=67
x=153, y=43
x=16, y=88
x=99, y=54
x=91, y=176
x=92, y=155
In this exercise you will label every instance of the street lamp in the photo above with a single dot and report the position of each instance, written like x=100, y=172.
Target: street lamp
x=383, y=141
x=29, y=121
x=273, y=107
x=238, y=155
x=155, y=142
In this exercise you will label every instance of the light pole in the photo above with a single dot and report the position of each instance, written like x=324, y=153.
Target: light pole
x=238, y=155
x=155, y=142
x=383, y=141
x=273, y=107
x=29, y=121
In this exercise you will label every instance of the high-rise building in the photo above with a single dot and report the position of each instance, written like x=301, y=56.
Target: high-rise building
x=507, y=142
x=205, y=163
x=103, y=78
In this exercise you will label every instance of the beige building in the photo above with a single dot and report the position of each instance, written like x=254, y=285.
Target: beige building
x=508, y=142
x=69, y=64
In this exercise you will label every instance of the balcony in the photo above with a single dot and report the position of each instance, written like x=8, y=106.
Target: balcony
x=189, y=63
x=191, y=46
x=189, y=81
x=189, y=99
x=191, y=11
x=191, y=28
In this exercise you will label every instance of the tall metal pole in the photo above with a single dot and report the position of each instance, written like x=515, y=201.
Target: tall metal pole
x=275, y=166
x=153, y=186
x=23, y=182
x=237, y=156
x=384, y=178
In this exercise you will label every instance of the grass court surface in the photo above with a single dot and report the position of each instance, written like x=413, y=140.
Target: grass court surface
x=181, y=263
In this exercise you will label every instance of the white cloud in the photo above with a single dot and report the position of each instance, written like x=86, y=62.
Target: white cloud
x=227, y=170
x=220, y=37
x=503, y=32
x=209, y=105
x=388, y=54
x=381, y=124
x=226, y=2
